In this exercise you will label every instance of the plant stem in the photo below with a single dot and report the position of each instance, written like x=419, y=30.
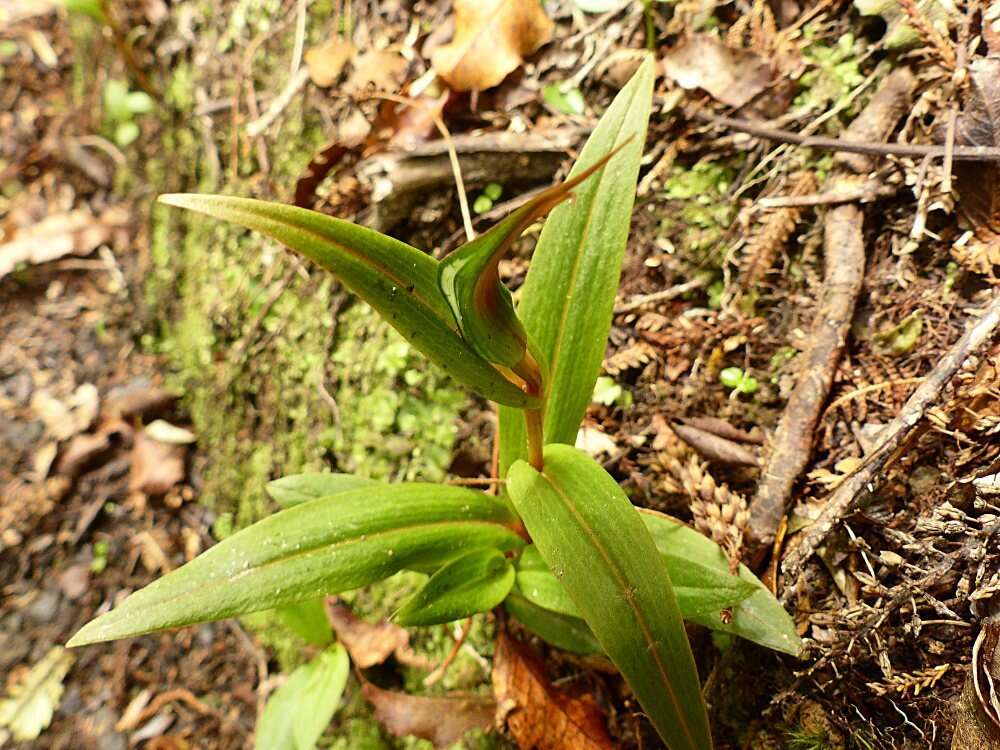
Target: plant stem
x=533, y=421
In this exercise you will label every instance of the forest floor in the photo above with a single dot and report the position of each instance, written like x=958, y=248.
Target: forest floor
x=792, y=330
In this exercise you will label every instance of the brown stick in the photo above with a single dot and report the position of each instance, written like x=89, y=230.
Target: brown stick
x=866, y=477
x=844, y=253
x=960, y=153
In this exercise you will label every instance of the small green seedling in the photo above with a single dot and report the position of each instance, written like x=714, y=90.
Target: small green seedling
x=569, y=101
x=121, y=107
x=485, y=200
x=738, y=381
x=561, y=549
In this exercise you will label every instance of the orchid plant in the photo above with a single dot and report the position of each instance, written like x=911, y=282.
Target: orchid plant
x=561, y=547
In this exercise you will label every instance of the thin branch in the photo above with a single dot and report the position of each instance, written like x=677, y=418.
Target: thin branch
x=866, y=193
x=959, y=153
x=662, y=296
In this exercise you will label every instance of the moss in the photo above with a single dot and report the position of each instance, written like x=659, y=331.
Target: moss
x=700, y=214
x=833, y=73
x=250, y=366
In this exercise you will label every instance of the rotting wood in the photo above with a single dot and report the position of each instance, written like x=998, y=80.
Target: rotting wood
x=844, y=253
x=864, y=480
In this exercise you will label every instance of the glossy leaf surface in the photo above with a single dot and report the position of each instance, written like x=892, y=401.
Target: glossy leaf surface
x=397, y=280
x=298, y=488
x=589, y=534
x=298, y=712
x=569, y=292
x=470, y=279
x=759, y=617
x=562, y=631
x=702, y=590
x=475, y=582
x=314, y=549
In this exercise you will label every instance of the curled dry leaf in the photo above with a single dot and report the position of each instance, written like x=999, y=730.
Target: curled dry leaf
x=492, y=38
x=978, y=183
x=327, y=61
x=538, y=715
x=74, y=233
x=732, y=76
x=367, y=643
x=442, y=720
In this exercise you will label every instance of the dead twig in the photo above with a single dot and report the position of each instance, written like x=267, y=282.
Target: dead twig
x=663, y=295
x=844, y=253
x=865, y=193
x=959, y=153
x=281, y=101
x=866, y=477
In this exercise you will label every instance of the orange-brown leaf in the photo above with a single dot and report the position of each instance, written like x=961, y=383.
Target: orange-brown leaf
x=537, y=715
x=492, y=38
x=368, y=644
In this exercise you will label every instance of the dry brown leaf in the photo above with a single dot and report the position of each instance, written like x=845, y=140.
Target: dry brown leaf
x=63, y=419
x=327, y=61
x=978, y=183
x=442, y=720
x=538, y=715
x=732, y=76
x=368, y=643
x=156, y=466
x=75, y=233
x=492, y=38
x=377, y=70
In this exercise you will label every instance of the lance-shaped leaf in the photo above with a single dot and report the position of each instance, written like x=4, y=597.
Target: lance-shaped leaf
x=562, y=631
x=397, y=280
x=470, y=278
x=298, y=712
x=475, y=582
x=298, y=488
x=702, y=591
x=759, y=617
x=308, y=620
x=591, y=537
x=315, y=549
x=570, y=289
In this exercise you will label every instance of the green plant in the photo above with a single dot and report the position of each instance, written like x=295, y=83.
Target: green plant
x=562, y=549
x=121, y=107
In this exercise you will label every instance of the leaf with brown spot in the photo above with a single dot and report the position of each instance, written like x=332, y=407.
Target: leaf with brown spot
x=441, y=720
x=492, y=38
x=368, y=643
x=978, y=183
x=537, y=715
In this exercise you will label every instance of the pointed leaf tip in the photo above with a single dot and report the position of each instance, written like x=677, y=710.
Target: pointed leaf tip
x=397, y=280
